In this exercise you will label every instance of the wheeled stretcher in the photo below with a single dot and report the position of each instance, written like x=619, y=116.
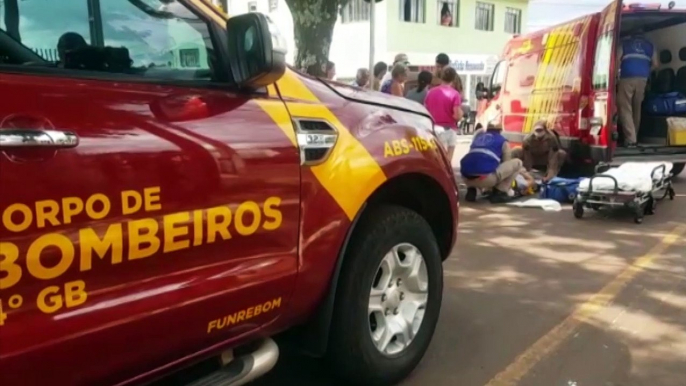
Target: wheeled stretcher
x=635, y=186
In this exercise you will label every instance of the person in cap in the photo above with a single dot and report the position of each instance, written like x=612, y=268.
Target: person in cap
x=489, y=165
x=442, y=61
x=638, y=58
x=399, y=59
x=541, y=150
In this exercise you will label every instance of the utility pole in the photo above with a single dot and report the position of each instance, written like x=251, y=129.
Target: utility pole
x=372, y=27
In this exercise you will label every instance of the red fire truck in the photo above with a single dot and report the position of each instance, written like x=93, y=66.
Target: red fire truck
x=171, y=193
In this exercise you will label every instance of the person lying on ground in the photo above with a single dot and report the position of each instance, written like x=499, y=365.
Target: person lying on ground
x=524, y=183
x=541, y=150
x=489, y=165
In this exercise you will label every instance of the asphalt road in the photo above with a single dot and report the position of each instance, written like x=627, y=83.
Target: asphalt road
x=542, y=299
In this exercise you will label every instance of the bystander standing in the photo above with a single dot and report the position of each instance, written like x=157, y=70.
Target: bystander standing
x=418, y=94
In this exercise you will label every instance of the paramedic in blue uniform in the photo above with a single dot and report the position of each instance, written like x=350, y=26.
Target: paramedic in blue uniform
x=638, y=58
x=489, y=165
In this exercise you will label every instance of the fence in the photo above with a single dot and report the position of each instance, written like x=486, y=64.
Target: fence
x=49, y=54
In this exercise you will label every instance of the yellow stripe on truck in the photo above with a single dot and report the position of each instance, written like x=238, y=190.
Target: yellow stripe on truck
x=291, y=87
x=350, y=174
x=278, y=113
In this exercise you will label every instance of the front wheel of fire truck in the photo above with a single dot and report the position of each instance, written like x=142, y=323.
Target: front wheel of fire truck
x=389, y=298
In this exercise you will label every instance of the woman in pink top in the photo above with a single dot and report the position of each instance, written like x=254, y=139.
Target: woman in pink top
x=445, y=106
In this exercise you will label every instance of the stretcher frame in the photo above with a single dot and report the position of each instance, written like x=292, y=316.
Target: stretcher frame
x=640, y=203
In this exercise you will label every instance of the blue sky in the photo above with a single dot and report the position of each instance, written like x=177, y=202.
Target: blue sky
x=543, y=13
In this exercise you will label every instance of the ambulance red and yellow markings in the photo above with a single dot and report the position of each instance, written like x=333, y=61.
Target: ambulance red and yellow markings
x=350, y=174
x=539, y=82
x=562, y=66
x=561, y=47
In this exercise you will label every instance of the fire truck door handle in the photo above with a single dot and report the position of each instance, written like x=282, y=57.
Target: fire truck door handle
x=31, y=138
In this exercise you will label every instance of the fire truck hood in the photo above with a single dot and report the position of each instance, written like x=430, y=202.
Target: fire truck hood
x=378, y=98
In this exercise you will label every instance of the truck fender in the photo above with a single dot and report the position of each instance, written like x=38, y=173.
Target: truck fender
x=313, y=337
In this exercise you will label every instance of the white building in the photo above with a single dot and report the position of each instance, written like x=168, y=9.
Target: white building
x=473, y=36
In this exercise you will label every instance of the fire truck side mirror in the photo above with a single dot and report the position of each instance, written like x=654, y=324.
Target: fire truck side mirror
x=481, y=92
x=256, y=50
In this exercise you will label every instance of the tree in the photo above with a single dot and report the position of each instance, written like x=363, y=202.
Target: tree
x=12, y=19
x=313, y=23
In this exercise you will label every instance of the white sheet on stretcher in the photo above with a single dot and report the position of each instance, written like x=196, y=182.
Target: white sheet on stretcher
x=631, y=176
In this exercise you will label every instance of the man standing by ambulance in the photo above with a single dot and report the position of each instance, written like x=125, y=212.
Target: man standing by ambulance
x=637, y=59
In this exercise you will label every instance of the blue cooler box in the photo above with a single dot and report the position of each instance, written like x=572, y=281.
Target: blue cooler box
x=562, y=190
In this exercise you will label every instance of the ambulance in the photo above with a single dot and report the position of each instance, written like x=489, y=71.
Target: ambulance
x=567, y=76
x=174, y=197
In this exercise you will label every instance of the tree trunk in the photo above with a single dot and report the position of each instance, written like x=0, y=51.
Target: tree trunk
x=12, y=19
x=313, y=23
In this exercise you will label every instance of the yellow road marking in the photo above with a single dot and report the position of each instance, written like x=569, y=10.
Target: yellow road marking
x=555, y=337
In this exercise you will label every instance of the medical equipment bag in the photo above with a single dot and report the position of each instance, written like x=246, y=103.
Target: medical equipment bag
x=562, y=190
x=669, y=104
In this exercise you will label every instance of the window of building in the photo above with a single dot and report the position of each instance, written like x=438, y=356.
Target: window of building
x=413, y=11
x=485, y=13
x=513, y=20
x=449, y=13
x=252, y=6
x=354, y=11
x=149, y=38
x=273, y=5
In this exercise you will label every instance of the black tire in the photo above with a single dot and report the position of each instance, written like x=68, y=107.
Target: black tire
x=352, y=354
x=677, y=168
x=578, y=209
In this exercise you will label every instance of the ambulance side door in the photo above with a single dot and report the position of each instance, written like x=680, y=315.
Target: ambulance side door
x=604, y=122
x=145, y=216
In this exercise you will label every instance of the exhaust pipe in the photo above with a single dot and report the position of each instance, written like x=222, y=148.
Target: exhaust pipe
x=244, y=369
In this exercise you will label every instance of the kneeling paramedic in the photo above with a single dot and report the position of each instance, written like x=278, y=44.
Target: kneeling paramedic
x=541, y=151
x=489, y=165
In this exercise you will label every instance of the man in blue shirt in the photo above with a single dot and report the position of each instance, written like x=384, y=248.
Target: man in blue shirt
x=637, y=59
x=489, y=165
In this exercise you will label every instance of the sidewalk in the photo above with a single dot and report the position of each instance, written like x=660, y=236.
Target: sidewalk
x=462, y=139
